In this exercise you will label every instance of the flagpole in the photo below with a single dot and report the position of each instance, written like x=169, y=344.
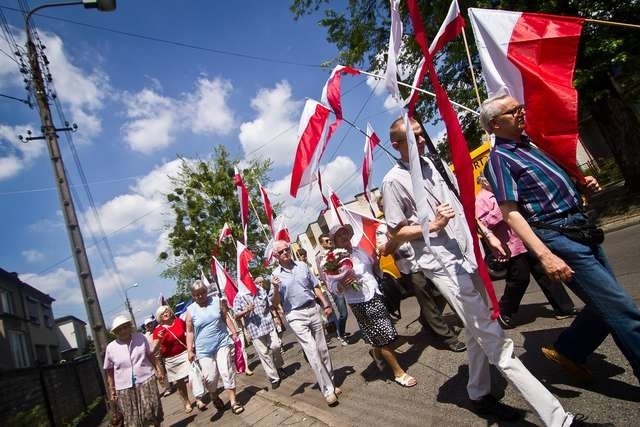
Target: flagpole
x=613, y=23
x=473, y=74
x=258, y=218
x=365, y=134
x=377, y=76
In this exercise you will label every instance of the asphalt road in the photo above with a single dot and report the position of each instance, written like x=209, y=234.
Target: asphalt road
x=371, y=398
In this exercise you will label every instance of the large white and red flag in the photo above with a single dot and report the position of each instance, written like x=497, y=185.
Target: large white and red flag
x=225, y=282
x=280, y=230
x=243, y=200
x=268, y=210
x=245, y=280
x=532, y=57
x=370, y=142
x=364, y=230
x=311, y=127
x=459, y=153
x=331, y=96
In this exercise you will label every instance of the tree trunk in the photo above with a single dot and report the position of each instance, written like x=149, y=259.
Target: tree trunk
x=620, y=126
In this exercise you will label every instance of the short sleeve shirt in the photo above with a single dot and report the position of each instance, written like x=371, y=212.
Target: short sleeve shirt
x=296, y=286
x=173, y=340
x=259, y=322
x=131, y=362
x=367, y=283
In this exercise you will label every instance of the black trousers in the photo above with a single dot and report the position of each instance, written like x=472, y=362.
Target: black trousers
x=519, y=270
x=431, y=304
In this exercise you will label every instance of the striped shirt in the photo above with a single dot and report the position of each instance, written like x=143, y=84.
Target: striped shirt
x=520, y=172
x=258, y=322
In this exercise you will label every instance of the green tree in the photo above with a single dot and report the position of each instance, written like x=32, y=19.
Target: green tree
x=204, y=197
x=606, y=75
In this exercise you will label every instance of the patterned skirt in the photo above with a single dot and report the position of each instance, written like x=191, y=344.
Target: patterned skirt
x=374, y=321
x=141, y=405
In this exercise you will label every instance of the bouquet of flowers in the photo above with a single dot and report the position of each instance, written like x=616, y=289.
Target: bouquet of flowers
x=337, y=264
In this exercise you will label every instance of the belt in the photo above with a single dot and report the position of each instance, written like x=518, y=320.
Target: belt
x=564, y=215
x=309, y=304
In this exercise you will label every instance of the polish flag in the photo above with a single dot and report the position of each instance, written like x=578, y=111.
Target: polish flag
x=225, y=282
x=335, y=206
x=281, y=232
x=532, y=57
x=206, y=282
x=225, y=233
x=312, y=123
x=364, y=230
x=268, y=210
x=243, y=200
x=370, y=142
x=451, y=27
x=245, y=281
x=331, y=96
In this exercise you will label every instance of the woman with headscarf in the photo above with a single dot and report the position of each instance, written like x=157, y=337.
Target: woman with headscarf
x=129, y=366
x=169, y=338
x=208, y=326
x=360, y=289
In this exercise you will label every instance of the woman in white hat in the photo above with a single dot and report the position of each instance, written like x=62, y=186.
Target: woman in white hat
x=360, y=290
x=129, y=365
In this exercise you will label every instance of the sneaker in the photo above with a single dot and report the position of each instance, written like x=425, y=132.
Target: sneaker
x=457, y=346
x=332, y=399
x=506, y=321
x=578, y=372
x=489, y=406
x=342, y=341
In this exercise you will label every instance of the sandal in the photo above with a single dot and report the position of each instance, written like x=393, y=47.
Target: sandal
x=218, y=403
x=188, y=408
x=201, y=406
x=237, y=408
x=378, y=361
x=406, y=380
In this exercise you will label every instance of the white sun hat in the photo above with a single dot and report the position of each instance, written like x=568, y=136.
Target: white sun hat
x=119, y=321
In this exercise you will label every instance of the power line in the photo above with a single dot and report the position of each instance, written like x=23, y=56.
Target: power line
x=173, y=42
x=42, y=189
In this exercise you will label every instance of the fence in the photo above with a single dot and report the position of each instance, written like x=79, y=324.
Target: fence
x=50, y=395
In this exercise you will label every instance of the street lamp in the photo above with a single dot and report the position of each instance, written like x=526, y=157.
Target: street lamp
x=128, y=304
x=78, y=250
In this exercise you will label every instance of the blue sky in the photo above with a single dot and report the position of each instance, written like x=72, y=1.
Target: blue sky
x=139, y=104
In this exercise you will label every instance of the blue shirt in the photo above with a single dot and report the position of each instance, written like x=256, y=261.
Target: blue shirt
x=210, y=328
x=296, y=286
x=258, y=322
x=520, y=172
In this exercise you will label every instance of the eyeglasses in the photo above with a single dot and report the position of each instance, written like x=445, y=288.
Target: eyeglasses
x=283, y=251
x=513, y=111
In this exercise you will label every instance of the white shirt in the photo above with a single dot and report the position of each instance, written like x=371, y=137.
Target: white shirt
x=363, y=269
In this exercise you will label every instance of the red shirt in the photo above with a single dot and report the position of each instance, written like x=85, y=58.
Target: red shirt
x=171, y=344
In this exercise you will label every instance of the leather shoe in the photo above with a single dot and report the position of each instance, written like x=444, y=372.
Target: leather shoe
x=275, y=385
x=506, y=321
x=566, y=314
x=580, y=420
x=457, y=346
x=489, y=406
x=578, y=372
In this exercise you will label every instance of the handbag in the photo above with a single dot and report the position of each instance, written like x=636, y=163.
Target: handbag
x=587, y=234
x=195, y=379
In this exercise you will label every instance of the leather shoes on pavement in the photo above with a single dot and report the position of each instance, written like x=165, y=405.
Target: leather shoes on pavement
x=489, y=406
x=578, y=372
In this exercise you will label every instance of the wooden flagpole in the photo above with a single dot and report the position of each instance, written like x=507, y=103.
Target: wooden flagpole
x=612, y=23
x=473, y=74
x=266, y=236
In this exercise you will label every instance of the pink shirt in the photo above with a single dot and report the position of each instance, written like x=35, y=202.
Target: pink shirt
x=130, y=361
x=488, y=213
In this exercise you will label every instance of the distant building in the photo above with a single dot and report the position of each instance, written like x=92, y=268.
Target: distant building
x=27, y=335
x=72, y=336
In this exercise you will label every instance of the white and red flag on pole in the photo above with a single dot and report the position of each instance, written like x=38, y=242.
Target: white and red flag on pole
x=310, y=130
x=331, y=96
x=335, y=205
x=225, y=282
x=459, y=152
x=532, y=57
x=364, y=230
x=370, y=142
x=281, y=232
x=268, y=210
x=245, y=280
x=243, y=200
x=225, y=233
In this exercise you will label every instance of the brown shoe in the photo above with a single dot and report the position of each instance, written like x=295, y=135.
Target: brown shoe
x=578, y=372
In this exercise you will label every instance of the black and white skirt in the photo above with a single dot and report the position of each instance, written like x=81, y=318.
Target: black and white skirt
x=374, y=321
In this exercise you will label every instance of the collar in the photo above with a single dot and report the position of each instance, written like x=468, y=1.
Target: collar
x=523, y=142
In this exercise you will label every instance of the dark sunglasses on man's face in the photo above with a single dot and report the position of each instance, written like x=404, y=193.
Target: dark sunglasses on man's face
x=513, y=111
x=282, y=251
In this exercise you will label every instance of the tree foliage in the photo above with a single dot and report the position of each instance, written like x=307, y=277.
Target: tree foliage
x=606, y=75
x=203, y=198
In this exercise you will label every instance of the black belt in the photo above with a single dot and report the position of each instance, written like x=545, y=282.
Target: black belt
x=306, y=305
x=564, y=215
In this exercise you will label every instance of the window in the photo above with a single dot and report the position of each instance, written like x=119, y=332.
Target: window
x=46, y=316
x=18, y=345
x=33, y=310
x=6, y=302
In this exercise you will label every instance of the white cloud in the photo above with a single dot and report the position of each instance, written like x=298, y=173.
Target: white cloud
x=61, y=284
x=277, y=115
x=32, y=255
x=155, y=120
x=16, y=154
x=120, y=213
x=46, y=224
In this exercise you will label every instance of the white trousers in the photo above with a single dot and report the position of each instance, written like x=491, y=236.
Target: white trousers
x=307, y=325
x=488, y=344
x=219, y=366
x=268, y=350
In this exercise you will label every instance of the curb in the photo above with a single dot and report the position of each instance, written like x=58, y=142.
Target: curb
x=305, y=408
x=616, y=224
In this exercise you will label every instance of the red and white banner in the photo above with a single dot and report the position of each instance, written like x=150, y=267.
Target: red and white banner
x=311, y=127
x=370, y=142
x=245, y=280
x=331, y=96
x=225, y=233
x=532, y=57
x=243, y=200
x=225, y=282
x=268, y=210
x=281, y=232
x=335, y=206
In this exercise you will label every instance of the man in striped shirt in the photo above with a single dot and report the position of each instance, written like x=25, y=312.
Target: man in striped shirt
x=534, y=192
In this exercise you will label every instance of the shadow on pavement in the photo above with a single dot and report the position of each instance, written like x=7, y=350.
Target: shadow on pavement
x=184, y=422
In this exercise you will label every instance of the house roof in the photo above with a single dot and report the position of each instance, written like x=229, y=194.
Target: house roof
x=69, y=318
x=12, y=278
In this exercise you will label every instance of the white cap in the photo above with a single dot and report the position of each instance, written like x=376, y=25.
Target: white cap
x=119, y=321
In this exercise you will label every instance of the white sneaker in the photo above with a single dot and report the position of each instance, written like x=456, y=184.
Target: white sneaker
x=331, y=399
x=342, y=341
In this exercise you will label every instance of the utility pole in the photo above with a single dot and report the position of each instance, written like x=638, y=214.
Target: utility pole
x=90, y=297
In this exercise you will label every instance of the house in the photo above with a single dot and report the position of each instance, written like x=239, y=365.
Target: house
x=27, y=335
x=72, y=336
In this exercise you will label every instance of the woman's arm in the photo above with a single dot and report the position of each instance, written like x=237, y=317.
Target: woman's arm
x=190, y=338
x=232, y=327
x=111, y=384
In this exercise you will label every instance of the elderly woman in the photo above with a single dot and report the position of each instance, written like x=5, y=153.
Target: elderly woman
x=208, y=326
x=129, y=365
x=360, y=290
x=169, y=338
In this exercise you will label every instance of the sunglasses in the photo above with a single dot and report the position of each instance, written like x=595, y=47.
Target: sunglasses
x=283, y=251
x=514, y=111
